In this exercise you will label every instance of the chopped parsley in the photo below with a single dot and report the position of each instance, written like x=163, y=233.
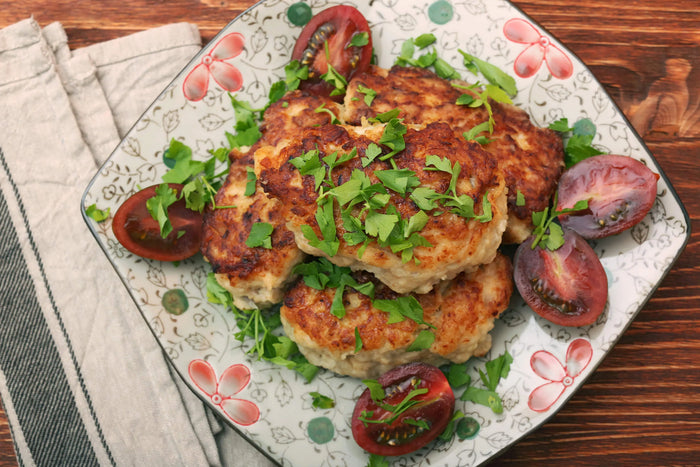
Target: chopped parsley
x=548, y=232
x=578, y=139
x=98, y=215
x=258, y=326
x=319, y=401
x=158, y=207
x=260, y=235
x=496, y=369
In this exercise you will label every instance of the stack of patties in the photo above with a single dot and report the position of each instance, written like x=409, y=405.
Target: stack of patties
x=405, y=209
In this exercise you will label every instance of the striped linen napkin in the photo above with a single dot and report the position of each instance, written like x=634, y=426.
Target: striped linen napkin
x=82, y=379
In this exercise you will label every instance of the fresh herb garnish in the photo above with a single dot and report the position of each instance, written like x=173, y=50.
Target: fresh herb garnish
x=358, y=40
x=578, y=139
x=548, y=232
x=98, y=215
x=319, y=401
x=370, y=94
x=377, y=394
x=259, y=325
x=260, y=235
x=158, y=207
x=496, y=369
x=492, y=73
x=320, y=274
x=251, y=180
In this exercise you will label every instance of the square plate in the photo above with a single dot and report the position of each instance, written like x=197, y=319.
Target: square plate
x=289, y=430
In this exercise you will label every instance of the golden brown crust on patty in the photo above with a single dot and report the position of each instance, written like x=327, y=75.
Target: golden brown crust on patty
x=462, y=310
x=530, y=158
x=457, y=244
x=256, y=277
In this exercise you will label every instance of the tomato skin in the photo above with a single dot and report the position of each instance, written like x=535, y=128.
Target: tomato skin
x=436, y=410
x=567, y=286
x=336, y=25
x=139, y=233
x=620, y=191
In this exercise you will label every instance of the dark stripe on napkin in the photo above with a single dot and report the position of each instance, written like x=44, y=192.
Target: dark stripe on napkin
x=30, y=359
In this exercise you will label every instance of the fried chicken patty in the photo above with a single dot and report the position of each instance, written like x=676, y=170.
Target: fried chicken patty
x=530, y=158
x=454, y=243
x=462, y=311
x=256, y=276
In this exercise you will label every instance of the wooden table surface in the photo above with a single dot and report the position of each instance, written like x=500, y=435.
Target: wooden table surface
x=642, y=406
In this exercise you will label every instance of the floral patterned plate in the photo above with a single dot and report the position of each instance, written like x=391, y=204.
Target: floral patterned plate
x=270, y=405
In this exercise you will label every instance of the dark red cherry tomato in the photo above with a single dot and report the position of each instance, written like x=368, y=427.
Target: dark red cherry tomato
x=336, y=26
x=567, y=286
x=139, y=233
x=415, y=427
x=620, y=192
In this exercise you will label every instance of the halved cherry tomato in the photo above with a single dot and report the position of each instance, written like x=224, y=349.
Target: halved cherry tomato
x=412, y=429
x=620, y=192
x=567, y=286
x=139, y=233
x=335, y=26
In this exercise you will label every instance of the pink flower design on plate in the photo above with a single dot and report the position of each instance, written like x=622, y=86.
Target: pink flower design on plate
x=227, y=76
x=560, y=377
x=540, y=49
x=221, y=391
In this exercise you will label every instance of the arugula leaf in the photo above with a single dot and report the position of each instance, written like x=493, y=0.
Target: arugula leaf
x=259, y=235
x=319, y=401
x=98, y=215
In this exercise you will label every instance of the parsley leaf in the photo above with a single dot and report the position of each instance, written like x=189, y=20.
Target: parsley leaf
x=578, y=140
x=251, y=180
x=259, y=235
x=496, y=369
x=370, y=94
x=358, y=40
x=319, y=401
x=546, y=230
x=158, y=207
x=98, y=215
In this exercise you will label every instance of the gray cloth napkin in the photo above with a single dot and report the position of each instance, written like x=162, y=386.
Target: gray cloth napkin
x=82, y=379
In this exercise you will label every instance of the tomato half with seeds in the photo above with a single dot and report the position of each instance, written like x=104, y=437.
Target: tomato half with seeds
x=383, y=428
x=620, y=191
x=337, y=26
x=139, y=232
x=567, y=286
